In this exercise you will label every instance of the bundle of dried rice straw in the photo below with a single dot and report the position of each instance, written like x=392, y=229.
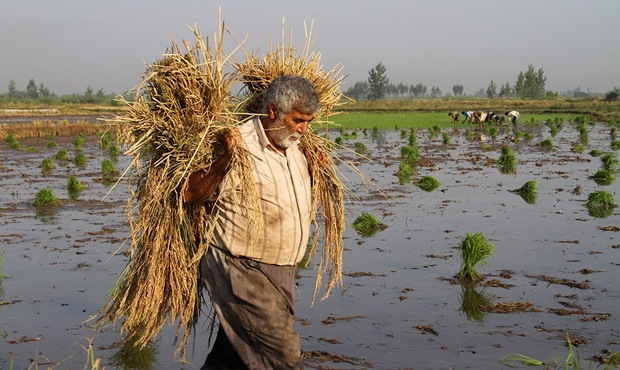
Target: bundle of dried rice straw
x=173, y=128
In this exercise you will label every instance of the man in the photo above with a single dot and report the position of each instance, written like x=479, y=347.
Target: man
x=468, y=116
x=479, y=116
x=454, y=116
x=251, y=283
x=513, y=116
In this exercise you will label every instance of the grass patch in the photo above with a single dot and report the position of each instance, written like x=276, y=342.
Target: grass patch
x=367, y=224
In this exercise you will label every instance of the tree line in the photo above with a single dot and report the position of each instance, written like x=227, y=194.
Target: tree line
x=530, y=84
x=41, y=93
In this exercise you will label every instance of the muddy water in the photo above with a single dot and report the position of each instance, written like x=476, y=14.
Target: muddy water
x=398, y=307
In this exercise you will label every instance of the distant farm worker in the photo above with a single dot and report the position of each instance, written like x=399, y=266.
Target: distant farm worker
x=494, y=117
x=479, y=116
x=513, y=116
x=468, y=116
x=454, y=116
x=251, y=283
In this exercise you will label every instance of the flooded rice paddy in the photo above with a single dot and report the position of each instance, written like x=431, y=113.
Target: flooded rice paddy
x=556, y=271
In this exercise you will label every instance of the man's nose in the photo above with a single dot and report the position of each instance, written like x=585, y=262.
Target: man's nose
x=302, y=127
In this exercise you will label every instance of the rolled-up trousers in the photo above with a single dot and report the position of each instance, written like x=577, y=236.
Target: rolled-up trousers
x=254, y=303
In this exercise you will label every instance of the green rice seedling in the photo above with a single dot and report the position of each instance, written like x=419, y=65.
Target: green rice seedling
x=409, y=154
x=472, y=301
x=79, y=142
x=113, y=152
x=13, y=142
x=31, y=149
x=571, y=362
x=376, y=133
x=47, y=166
x=74, y=187
x=413, y=138
x=493, y=133
x=596, y=153
x=578, y=148
x=507, y=157
x=365, y=131
x=339, y=140
x=405, y=171
x=108, y=169
x=367, y=224
x=612, y=134
x=609, y=161
x=603, y=177
x=45, y=198
x=360, y=148
x=106, y=140
x=470, y=136
x=136, y=356
x=529, y=191
x=80, y=160
x=62, y=155
x=601, y=204
x=51, y=143
x=547, y=143
x=445, y=138
x=615, y=145
x=474, y=250
x=427, y=183
x=583, y=134
x=553, y=131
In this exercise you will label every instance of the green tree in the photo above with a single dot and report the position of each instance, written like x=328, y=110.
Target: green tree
x=436, y=92
x=613, y=95
x=378, y=82
x=12, y=90
x=32, y=91
x=88, y=95
x=457, y=89
x=44, y=92
x=505, y=90
x=531, y=84
x=418, y=91
x=359, y=91
x=491, y=90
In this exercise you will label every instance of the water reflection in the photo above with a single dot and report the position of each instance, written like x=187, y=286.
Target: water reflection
x=136, y=357
x=472, y=301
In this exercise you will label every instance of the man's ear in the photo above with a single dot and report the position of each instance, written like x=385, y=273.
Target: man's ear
x=272, y=111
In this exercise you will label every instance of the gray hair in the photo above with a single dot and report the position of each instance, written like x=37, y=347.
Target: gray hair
x=291, y=92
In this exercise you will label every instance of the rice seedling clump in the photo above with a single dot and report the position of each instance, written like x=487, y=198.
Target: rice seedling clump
x=367, y=224
x=604, y=177
x=427, y=183
x=474, y=250
x=529, y=191
x=601, y=204
x=45, y=198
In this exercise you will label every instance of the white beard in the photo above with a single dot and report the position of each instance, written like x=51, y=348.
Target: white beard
x=282, y=137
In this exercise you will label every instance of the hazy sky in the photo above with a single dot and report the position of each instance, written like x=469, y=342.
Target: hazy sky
x=70, y=44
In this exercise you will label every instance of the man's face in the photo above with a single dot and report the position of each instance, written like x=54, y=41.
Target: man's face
x=285, y=131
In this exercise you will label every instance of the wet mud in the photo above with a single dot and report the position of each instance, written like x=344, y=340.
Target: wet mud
x=554, y=274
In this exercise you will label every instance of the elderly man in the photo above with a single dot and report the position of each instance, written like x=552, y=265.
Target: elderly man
x=251, y=283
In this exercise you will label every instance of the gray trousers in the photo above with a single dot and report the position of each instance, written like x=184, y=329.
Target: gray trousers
x=254, y=303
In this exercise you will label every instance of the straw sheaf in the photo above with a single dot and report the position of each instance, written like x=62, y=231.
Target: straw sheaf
x=174, y=127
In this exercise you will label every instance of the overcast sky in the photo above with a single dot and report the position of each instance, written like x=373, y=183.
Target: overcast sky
x=70, y=44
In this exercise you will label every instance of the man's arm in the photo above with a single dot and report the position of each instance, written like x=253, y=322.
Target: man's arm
x=202, y=184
